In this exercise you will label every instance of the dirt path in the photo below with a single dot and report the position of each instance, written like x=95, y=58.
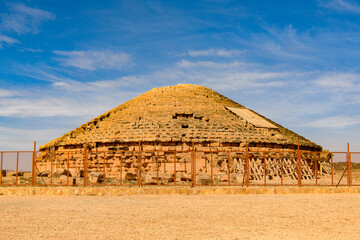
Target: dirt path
x=325, y=216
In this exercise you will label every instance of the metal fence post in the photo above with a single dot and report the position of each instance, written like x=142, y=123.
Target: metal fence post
x=1, y=167
x=316, y=169
x=211, y=168
x=193, y=174
x=51, y=168
x=348, y=160
x=121, y=173
x=229, y=176
x=175, y=168
x=104, y=168
x=33, y=180
x=157, y=167
x=247, y=166
x=139, y=166
x=282, y=168
x=332, y=170
x=68, y=169
x=298, y=161
x=17, y=168
x=264, y=154
x=86, y=170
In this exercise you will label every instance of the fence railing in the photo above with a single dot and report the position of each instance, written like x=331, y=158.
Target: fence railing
x=179, y=168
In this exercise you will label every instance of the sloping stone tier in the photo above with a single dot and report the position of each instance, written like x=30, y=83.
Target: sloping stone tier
x=182, y=113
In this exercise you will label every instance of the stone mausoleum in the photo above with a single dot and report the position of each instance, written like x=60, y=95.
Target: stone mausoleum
x=180, y=118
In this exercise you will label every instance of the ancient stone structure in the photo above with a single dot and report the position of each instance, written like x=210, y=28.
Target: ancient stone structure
x=181, y=118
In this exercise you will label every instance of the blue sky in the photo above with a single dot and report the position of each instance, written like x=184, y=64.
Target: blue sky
x=63, y=63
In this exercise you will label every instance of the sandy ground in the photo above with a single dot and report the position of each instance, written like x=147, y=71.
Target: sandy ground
x=325, y=216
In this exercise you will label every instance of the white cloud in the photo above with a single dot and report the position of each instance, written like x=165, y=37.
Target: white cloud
x=226, y=75
x=335, y=122
x=100, y=85
x=118, y=83
x=47, y=107
x=30, y=50
x=342, y=6
x=17, y=139
x=7, y=40
x=22, y=19
x=6, y=93
x=210, y=64
x=213, y=52
x=93, y=60
x=339, y=81
x=284, y=43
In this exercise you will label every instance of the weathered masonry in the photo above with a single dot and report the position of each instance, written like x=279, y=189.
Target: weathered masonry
x=168, y=124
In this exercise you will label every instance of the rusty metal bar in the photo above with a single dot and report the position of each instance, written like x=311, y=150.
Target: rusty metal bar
x=175, y=168
x=282, y=170
x=206, y=165
x=121, y=175
x=193, y=167
x=17, y=167
x=349, y=177
x=298, y=161
x=228, y=153
x=264, y=153
x=332, y=170
x=86, y=170
x=211, y=168
x=104, y=168
x=316, y=170
x=247, y=166
x=51, y=168
x=33, y=178
x=68, y=169
x=157, y=167
x=139, y=166
x=1, y=167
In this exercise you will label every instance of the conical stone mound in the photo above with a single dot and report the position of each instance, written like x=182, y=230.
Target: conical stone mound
x=183, y=113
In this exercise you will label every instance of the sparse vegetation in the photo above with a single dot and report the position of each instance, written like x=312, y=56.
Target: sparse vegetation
x=338, y=166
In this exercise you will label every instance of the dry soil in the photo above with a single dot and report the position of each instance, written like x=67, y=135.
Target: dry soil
x=296, y=216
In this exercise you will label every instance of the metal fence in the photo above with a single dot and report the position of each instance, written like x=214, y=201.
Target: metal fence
x=179, y=168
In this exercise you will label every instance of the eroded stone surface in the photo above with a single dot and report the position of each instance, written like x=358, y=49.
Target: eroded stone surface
x=163, y=120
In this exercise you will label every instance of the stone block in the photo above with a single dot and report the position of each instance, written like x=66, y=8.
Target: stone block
x=203, y=179
x=60, y=171
x=130, y=176
x=96, y=177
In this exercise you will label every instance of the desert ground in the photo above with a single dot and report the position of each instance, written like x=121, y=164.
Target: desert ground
x=292, y=216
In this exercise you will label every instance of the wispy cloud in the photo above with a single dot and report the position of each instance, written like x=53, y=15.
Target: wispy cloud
x=93, y=60
x=284, y=43
x=7, y=40
x=30, y=50
x=225, y=75
x=339, y=82
x=210, y=64
x=335, y=122
x=43, y=107
x=22, y=19
x=6, y=93
x=341, y=6
x=22, y=139
x=58, y=79
x=213, y=52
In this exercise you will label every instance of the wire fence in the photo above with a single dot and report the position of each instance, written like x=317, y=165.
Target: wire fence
x=83, y=167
